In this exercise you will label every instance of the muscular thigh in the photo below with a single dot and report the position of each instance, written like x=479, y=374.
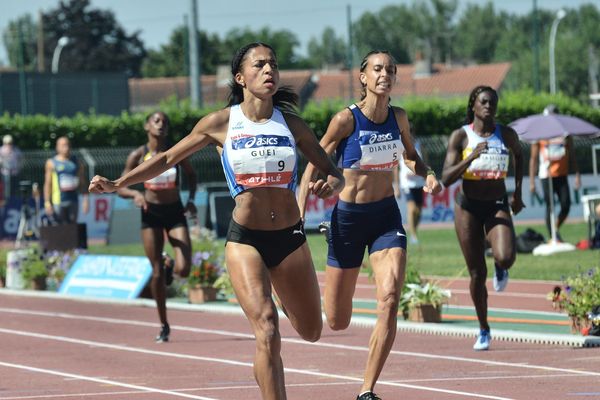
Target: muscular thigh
x=500, y=232
x=470, y=234
x=154, y=241
x=249, y=278
x=179, y=238
x=296, y=285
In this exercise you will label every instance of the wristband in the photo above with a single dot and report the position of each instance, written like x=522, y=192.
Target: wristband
x=431, y=172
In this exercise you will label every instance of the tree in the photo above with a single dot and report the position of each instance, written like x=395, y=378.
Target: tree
x=20, y=40
x=329, y=50
x=479, y=31
x=372, y=31
x=283, y=42
x=96, y=40
x=173, y=58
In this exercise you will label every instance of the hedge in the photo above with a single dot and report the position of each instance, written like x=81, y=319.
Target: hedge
x=429, y=116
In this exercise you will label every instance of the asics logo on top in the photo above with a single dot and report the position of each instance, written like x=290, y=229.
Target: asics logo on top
x=238, y=125
x=297, y=231
x=261, y=141
x=382, y=137
x=400, y=234
x=247, y=142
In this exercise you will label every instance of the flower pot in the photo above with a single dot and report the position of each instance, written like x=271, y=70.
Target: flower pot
x=425, y=313
x=579, y=324
x=202, y=294
x=38, y=283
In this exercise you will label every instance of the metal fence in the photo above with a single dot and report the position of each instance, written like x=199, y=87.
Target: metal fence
x=110, y=161
x=63, y=94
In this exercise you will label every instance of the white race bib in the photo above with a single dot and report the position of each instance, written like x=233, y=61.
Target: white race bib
x=68, y=183
x=380, y=151
x=166, y=180
x=263, y=160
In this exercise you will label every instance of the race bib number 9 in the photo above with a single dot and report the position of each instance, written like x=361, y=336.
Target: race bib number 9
x=263, y=160
x=380, y=151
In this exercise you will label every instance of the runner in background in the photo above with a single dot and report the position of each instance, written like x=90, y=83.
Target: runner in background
x=479, y=152
x=64, y=180
x=410, y=185
x=163, y=214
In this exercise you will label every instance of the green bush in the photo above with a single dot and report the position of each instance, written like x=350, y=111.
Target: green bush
x=34, y=268
x=430, y=117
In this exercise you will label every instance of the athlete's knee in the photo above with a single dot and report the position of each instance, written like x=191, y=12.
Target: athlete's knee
x=505, y=260
x=157, y=271
x=313, y=332
x=387, y=306
x=266, y=330
x=182, y=268
x=338, y=322
x=478, y=277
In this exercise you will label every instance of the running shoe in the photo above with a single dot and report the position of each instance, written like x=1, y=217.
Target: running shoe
x=324, y=227
x=483, y=340
x=500, y=279
x=163, y=336
x=168, y=263
x=368, y=396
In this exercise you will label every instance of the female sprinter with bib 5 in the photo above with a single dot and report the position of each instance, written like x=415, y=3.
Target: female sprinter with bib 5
x=259, y=133
x=479, y=152
x=369, y=138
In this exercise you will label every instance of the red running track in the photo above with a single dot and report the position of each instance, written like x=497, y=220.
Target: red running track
x=52, y=348
x=519, y=294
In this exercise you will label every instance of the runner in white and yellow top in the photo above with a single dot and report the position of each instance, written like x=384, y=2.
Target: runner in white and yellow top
x=479, y=153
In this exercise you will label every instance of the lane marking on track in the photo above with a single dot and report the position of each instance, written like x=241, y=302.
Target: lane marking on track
x=217, y=360
x=299, y=341
x=103, y=381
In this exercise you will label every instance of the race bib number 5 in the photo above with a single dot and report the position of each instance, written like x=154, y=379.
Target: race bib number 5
x=380, y=151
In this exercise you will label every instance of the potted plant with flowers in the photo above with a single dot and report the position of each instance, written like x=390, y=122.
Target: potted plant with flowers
x=203, y=283
x=578, y=296
x=203, y=275
x=424, y=301
x=34, y=271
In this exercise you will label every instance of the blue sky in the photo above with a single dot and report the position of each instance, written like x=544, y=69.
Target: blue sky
x=157, y=18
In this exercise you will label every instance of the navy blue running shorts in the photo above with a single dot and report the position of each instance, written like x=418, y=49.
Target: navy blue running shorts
x=354, y=227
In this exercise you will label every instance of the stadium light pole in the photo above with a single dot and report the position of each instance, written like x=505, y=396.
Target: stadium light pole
x=62, y=42
x=559, y=16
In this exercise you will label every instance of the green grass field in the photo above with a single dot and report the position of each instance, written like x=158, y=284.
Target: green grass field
x=439, y=254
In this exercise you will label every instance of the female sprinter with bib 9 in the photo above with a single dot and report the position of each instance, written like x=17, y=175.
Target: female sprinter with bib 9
x=266, y=243
x=369, y=139
x=479, y=152
x=162, y=212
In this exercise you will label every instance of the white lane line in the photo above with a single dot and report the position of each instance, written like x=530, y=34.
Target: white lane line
x=230, y=362
x=320, y=343
x=103, y=381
